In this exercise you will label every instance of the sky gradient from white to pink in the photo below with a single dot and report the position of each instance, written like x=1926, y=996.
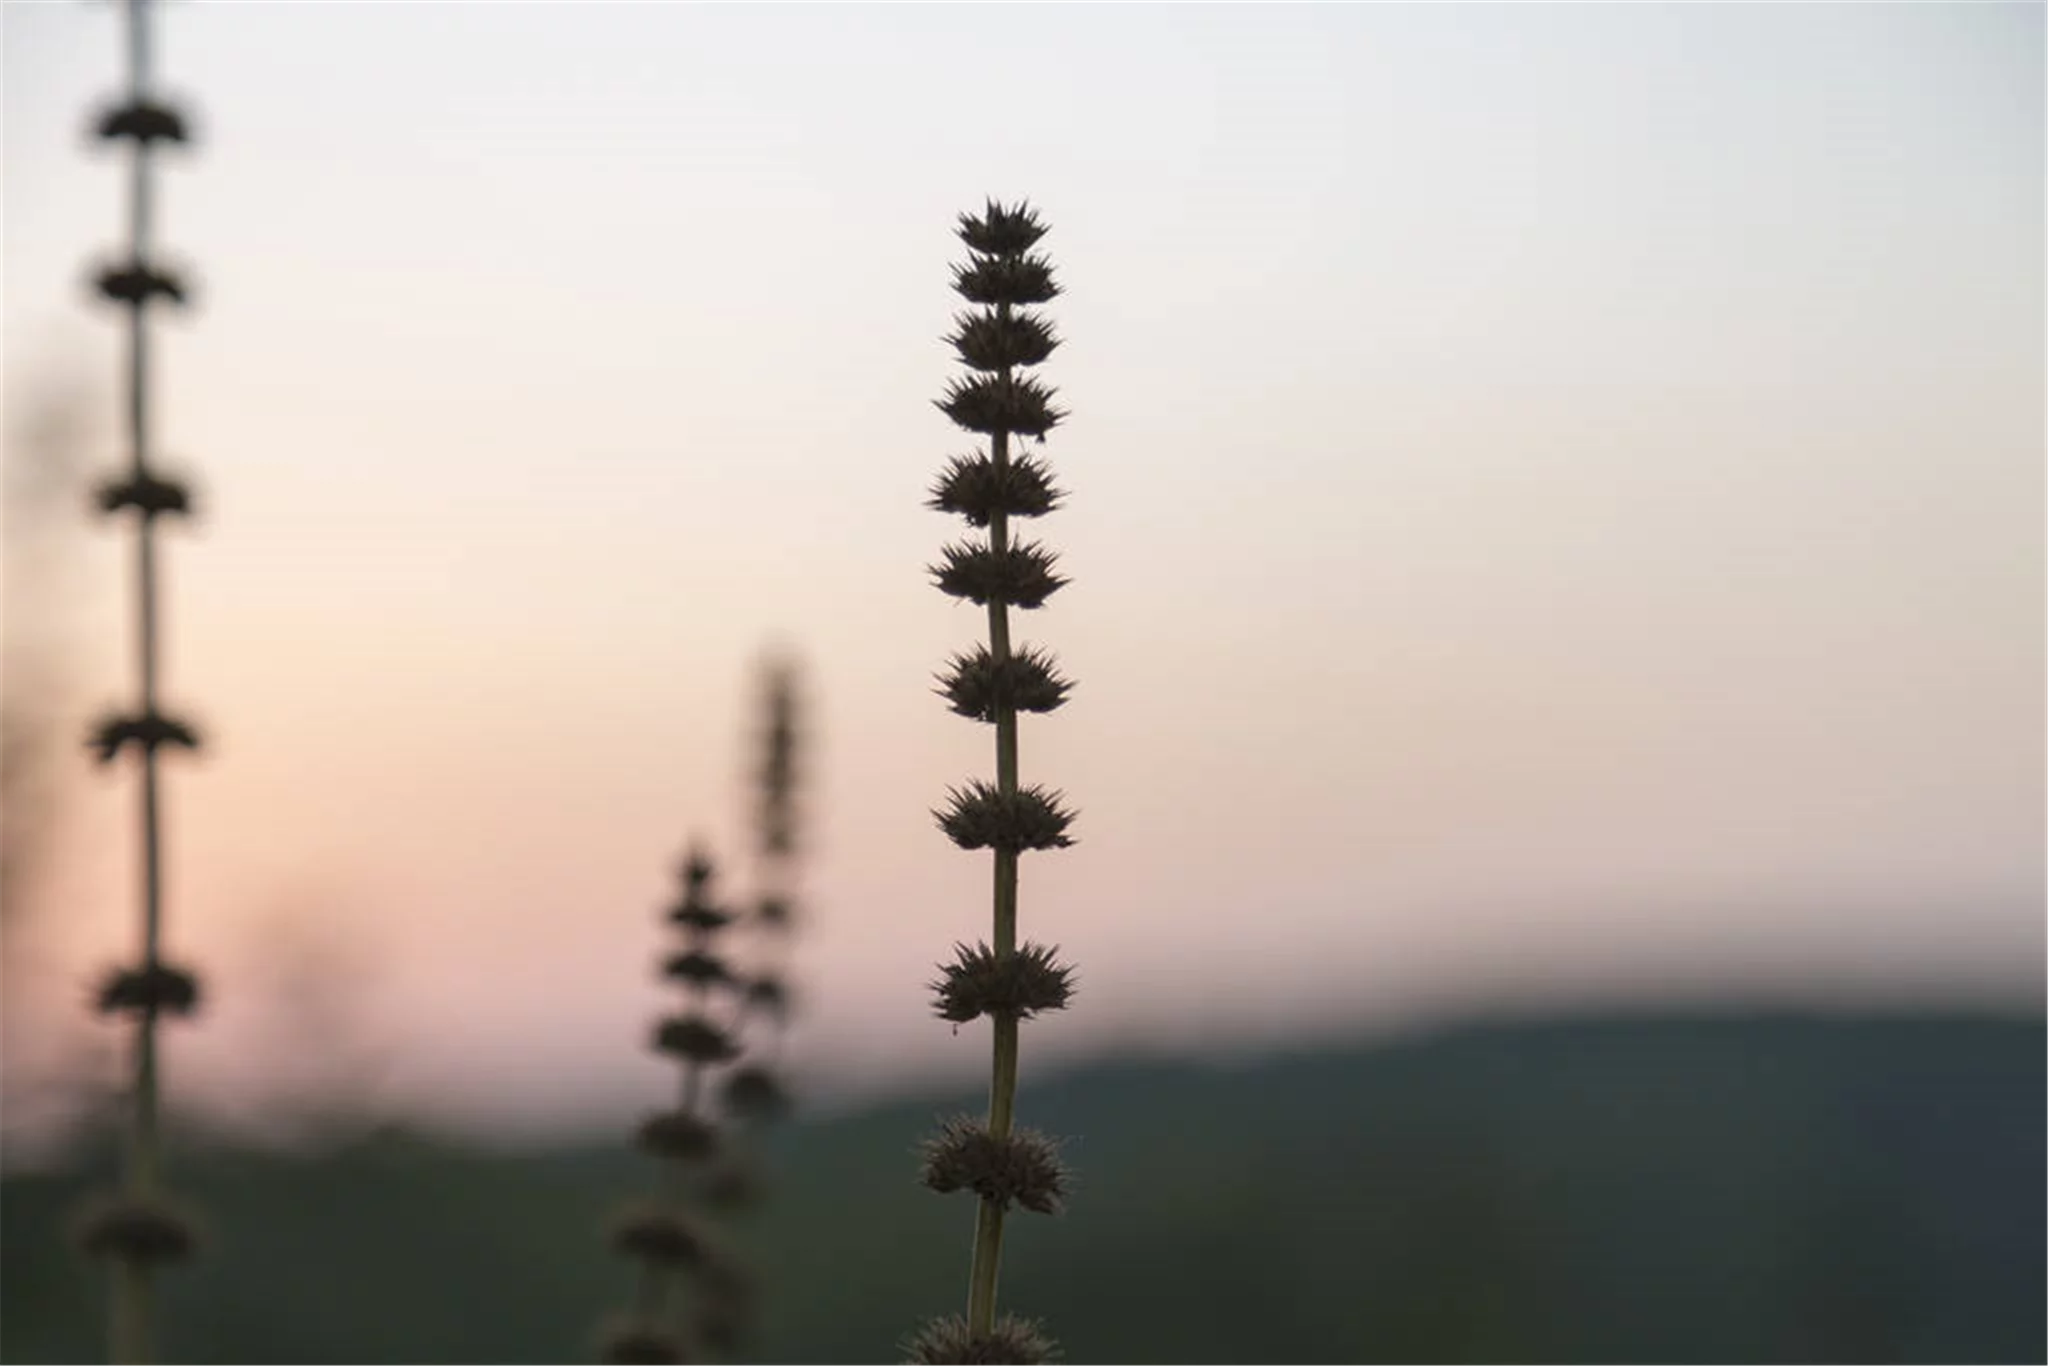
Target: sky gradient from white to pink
x=1556, y=511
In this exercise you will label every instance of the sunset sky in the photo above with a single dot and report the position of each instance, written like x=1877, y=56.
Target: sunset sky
x=1556, y=512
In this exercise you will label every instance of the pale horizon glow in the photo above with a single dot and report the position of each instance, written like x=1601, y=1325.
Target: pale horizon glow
x=1556, y=514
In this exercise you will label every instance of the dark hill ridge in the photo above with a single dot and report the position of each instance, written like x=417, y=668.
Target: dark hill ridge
x=1649, y=1189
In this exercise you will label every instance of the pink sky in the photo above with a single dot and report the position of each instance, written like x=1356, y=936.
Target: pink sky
x=1556, y=511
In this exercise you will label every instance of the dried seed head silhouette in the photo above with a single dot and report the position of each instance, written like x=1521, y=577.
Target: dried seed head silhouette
x=138, y=1230
x=695, y=1299
x=1002, y=1165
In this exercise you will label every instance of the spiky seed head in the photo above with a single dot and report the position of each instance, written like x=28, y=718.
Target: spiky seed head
x=658, y=1234
x=697, y=912
x=638, y=1342
x=1015, y=280
x=155, y=988
x=147, y=493
x=135, y=285
x=1001, y=231
x=145, y=120
x=1019, y=576
x=698, y=870
x=947, y=1342
x=693, y=1038
x=149, y=729
x=754, y=1094
x=144, y=1230
x=980, y=982
x=979, y=688
x=977, y=488
x=1001, y=403
x=1021, y=1167
x=982, y=816
x=698, y=918
x=994, y=342
x=697, y=968
x=678, y=1136
x=769, y=993
x=776, y=912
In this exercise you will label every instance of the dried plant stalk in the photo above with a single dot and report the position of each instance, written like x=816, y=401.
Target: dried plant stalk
x=140, y=1228
x=1008, y=982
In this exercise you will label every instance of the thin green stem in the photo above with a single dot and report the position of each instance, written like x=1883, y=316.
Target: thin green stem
x=134, y=1299
x=988, y=1257
x=988, y=1223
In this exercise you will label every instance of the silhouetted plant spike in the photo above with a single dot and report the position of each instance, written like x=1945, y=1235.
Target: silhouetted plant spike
x=754, y=1093
x=1004, y=1166
x=688, y=1283
x=139, y=1228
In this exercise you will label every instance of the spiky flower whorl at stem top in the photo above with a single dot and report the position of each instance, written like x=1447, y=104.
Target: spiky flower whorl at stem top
x=1005, y=1167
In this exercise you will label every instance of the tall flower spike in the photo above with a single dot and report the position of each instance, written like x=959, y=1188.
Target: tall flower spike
x=704, y=1141
x=666, y=1237
x=1001, y=1165
x=139, y=1229
x=752, y=1094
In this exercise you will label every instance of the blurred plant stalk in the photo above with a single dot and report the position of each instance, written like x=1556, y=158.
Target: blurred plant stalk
x=695, y=1298
x=138, y=1228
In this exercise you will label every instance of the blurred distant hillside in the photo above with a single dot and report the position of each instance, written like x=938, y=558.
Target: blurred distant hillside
x=1677, y=1189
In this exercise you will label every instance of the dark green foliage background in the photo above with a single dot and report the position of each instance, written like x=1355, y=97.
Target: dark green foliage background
x=1671, y=1189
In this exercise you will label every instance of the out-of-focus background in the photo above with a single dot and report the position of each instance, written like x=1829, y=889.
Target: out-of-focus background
x=1556, y=539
